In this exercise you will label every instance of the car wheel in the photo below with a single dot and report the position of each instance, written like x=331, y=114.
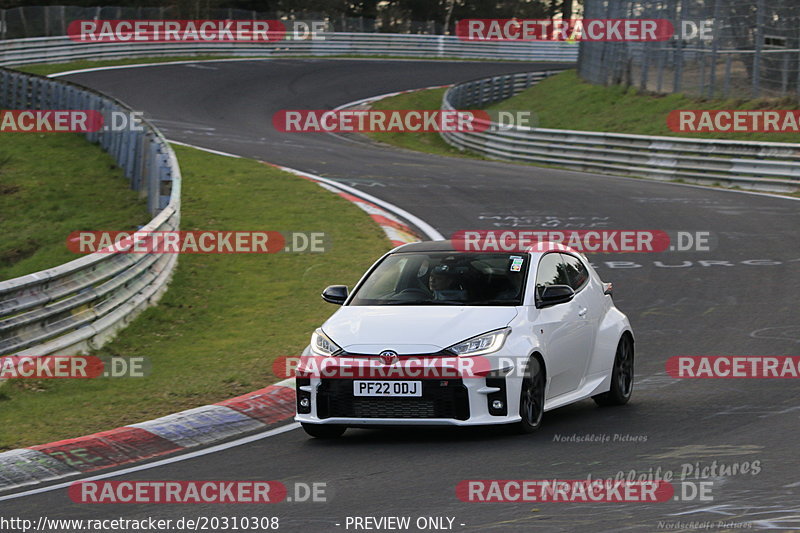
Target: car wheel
x=621, y=376
x=531, y=403
x=324, y=431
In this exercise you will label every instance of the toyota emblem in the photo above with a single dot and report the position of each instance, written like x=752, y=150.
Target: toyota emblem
x=388, y=357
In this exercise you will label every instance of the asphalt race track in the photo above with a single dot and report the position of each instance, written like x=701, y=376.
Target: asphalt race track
x=738, y=299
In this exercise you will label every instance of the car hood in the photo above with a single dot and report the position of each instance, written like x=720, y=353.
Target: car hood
x=411, y=329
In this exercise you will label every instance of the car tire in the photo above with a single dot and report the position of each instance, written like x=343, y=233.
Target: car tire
x=531, y=401
x=324, y=431
x=621, y=376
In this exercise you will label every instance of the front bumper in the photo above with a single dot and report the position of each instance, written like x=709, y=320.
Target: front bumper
x=464, y=400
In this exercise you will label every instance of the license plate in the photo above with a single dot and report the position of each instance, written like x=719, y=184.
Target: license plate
x=387, y=388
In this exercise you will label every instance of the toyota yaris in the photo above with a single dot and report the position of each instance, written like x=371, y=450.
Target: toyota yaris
x=434, y=335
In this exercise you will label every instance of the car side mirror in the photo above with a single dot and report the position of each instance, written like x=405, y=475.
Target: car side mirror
x=554, y=294
x=335, y=294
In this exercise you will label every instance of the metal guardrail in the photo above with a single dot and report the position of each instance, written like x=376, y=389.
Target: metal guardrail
x=55, y=49
x=753, y=165
x=80, y=304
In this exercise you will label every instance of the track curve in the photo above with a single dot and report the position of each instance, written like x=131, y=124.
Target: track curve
x=744, y=304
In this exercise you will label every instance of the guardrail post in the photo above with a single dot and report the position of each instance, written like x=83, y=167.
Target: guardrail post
x=22, y=95
x=165, y=181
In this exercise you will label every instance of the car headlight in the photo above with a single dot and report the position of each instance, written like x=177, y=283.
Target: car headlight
x=482, y=344
x=322, y=345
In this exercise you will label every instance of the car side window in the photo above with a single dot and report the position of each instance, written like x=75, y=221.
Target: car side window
x=576, y=271
x=551, y=271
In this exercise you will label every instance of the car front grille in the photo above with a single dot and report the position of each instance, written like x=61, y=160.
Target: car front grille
x=440, y=399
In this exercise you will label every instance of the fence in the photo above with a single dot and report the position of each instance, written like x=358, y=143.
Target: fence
x=78, y=305
x=751, y=48
x=754, y=165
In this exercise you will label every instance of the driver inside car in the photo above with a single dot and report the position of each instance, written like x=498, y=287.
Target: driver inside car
x=444, y=285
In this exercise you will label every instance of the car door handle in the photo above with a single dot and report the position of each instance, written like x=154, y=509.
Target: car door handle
x=582, y=312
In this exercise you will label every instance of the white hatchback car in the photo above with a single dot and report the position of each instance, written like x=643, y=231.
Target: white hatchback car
x=504, y=336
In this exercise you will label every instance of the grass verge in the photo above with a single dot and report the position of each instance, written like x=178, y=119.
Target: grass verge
x=564, y=101
x=223, y=319
x=42, y=202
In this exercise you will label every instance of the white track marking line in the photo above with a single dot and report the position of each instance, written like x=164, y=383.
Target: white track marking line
x=209, y=150
x=162, y=462
x=156, y=64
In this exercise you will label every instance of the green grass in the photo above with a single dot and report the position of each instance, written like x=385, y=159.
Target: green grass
x=77, y=186
x=564, y=101
x=223, y=319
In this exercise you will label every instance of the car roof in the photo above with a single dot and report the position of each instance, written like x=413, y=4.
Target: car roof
x=427, y=246
x=448, y=246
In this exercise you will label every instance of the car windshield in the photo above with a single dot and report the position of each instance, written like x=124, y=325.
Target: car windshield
x=445, y=278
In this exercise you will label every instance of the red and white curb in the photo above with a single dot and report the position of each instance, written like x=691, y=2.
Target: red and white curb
x=201, y=426
x=387, y=210
x=397, y=231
